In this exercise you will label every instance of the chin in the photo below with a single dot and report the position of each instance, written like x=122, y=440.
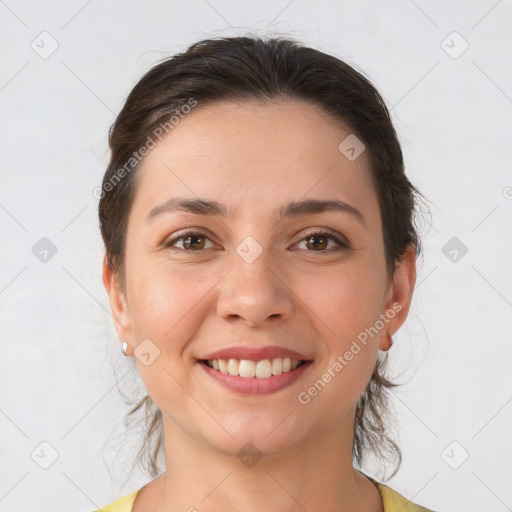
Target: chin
x=257, y=438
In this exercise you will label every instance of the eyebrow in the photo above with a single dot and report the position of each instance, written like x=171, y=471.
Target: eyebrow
x=291, y=209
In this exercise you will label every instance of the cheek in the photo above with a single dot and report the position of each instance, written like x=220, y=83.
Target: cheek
x=160, y=297
x=347, y=300
x=156, y=307
x=163, y=311
x=346, y=306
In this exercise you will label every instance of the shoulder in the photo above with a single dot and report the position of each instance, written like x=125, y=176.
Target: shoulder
x=123, y=504
x=394, y=502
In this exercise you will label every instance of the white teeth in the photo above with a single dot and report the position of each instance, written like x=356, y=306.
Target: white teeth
x=277, y=366
x=223, y=366
x=233, y=365
x=249, y=369
x=294, y=364
x=263, y=369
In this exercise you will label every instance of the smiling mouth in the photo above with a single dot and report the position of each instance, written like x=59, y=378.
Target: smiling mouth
x=248, y=369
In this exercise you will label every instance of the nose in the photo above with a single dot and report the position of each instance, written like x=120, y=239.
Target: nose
x=255, y=293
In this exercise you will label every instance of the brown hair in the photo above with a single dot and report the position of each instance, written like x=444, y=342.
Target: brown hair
x=244, y=68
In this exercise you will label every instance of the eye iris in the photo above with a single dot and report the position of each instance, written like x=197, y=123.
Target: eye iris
x=321, y=245
x=186, y=241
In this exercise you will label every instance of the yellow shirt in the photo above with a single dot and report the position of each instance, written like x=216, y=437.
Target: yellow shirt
x=393, y=502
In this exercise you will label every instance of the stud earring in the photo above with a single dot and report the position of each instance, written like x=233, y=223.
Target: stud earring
x=124, y=348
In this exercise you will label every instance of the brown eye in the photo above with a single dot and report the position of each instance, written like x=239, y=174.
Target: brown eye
x=318, y=241
x=192, y=241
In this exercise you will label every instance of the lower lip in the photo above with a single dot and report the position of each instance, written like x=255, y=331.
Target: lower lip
x=256, y=386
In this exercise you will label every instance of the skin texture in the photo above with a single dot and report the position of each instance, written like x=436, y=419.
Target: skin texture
x=255, y=157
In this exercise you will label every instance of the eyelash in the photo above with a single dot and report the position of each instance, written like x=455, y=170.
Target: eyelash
x=314, y=233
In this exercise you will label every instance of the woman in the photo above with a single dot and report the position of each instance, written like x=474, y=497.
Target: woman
x=260, y=252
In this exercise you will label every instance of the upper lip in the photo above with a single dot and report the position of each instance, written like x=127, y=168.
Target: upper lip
x=255, y=354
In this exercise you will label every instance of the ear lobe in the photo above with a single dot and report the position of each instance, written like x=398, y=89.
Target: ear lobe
x=118, y=303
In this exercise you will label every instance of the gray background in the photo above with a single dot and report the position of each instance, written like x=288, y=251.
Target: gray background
x=61, y=369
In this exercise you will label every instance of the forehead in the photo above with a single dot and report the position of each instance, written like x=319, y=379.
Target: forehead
x=254, y=156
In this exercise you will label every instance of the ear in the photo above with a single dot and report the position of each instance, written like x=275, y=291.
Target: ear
x=118, y=303
x=399, y=296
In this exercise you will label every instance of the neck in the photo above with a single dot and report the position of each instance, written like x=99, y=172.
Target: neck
x=317, y=475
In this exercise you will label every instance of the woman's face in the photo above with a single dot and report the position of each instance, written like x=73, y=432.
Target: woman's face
x=252, y=278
